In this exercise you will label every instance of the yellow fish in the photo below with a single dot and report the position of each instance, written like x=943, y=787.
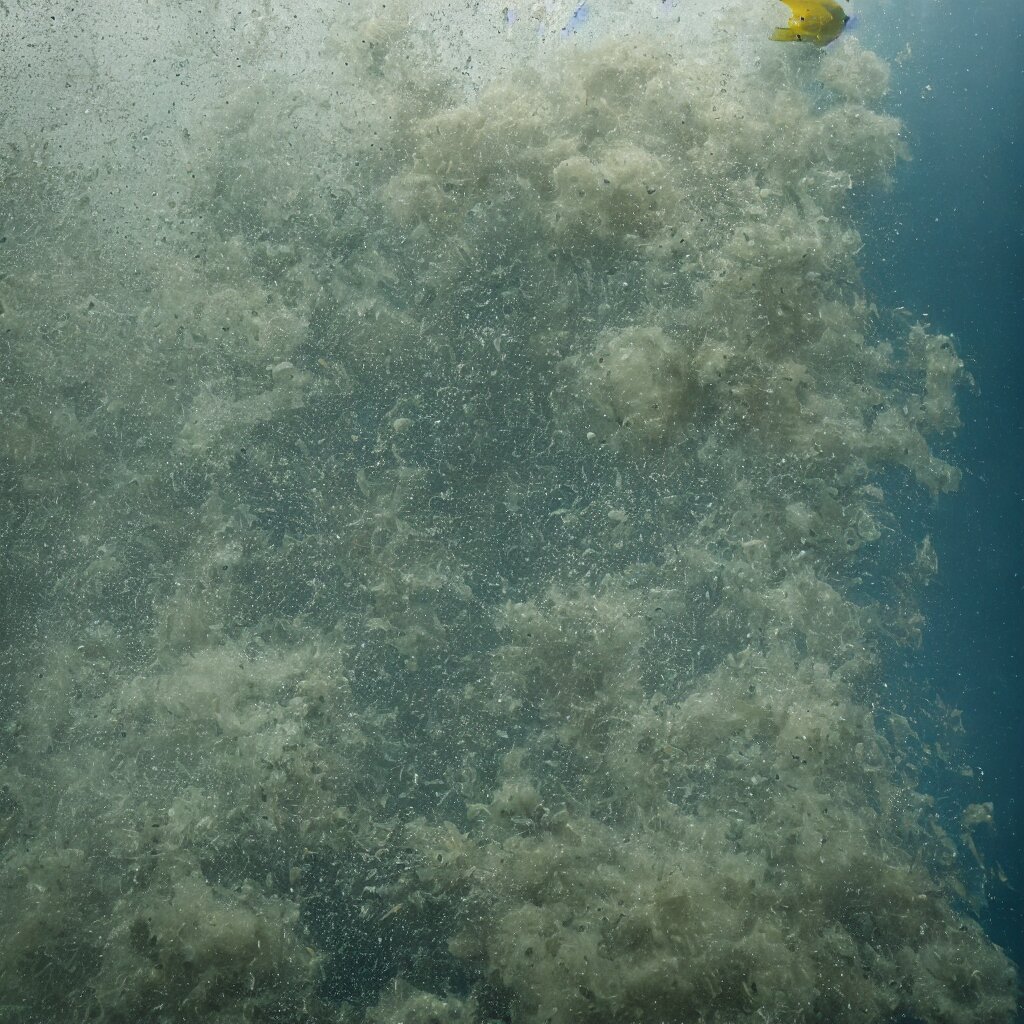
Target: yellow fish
x=812, y=21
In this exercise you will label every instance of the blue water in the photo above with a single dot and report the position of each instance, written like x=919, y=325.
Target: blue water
x=948, y=241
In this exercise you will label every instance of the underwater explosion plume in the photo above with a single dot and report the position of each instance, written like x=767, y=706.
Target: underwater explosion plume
x=455, y=538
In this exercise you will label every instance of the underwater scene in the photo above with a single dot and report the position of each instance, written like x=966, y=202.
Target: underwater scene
x=511, y=512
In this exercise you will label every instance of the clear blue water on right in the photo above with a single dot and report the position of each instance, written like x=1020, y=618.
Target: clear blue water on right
x=947, y=241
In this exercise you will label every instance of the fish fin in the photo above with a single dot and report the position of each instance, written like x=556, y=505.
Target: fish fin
x=786, y=35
